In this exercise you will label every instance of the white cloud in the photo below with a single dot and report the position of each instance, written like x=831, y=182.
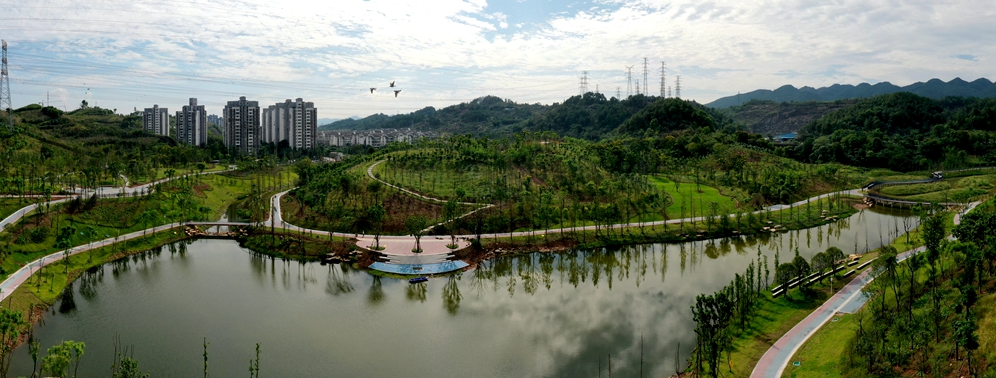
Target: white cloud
x=448, y=51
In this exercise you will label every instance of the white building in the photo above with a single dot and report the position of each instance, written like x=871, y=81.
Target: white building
x=294, y=121
x=191, y=124
x=242, y=132
x=156, y=120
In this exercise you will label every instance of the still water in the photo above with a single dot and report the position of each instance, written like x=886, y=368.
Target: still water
x=532, y=315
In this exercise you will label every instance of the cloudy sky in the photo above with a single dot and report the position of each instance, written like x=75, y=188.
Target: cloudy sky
x=122, y=54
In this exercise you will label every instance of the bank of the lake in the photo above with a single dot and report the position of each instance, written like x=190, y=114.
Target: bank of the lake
x=519, y=315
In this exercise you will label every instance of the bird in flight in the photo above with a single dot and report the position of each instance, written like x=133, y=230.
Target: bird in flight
x=396, y=92
x=392, y=84
x=372, y=90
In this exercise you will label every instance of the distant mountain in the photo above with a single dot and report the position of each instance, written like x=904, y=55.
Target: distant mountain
x=329, y=121
x=935, y=88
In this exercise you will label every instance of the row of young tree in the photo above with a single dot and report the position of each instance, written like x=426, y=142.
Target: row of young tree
x=931, y=326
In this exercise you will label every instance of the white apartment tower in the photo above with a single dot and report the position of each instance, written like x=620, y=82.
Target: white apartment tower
x=191, y=124
x=294, y=121
x=156, y=120
x=242, y=133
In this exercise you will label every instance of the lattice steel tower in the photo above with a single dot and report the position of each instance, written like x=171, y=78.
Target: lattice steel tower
x=584, y=83
x=646, y=81
x=629, y=81
x=5, y=102
x=677, y=87
x=663, y=77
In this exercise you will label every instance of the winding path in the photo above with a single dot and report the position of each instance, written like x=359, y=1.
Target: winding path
x=776, y=359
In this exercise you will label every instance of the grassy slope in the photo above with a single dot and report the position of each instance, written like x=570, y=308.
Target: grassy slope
x=774, y=318
x=823, y=353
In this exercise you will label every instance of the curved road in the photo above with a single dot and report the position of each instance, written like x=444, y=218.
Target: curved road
x=774, y=361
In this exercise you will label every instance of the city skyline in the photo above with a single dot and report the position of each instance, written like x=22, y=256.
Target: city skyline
x=453, y=51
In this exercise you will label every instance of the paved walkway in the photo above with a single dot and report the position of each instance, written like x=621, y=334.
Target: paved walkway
x=15, y=280
x=848, y=299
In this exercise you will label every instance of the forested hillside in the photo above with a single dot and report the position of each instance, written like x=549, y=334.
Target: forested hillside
x=86, y=147
x=488, y=115
x=905, y=132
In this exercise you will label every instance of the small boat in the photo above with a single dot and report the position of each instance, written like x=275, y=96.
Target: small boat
x=417, y=280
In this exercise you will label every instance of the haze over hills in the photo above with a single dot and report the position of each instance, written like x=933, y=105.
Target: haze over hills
x=934, y=88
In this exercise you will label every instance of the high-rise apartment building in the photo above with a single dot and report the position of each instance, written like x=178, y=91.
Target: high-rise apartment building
x=215, y=119
x=156, y=120
x=242, y=132
x=294, y=121
x=191, y=124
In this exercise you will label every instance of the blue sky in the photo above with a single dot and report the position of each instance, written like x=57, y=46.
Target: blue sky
x=131, y=54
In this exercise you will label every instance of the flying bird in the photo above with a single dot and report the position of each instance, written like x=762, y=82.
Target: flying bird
x=396, y=93
x=372, y=90
x=392, y=84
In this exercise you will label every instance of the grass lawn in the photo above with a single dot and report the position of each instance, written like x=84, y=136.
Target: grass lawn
x=824, y=353
x=955, y=189
x=438, y=183
x=692, y=200
x=9, y=205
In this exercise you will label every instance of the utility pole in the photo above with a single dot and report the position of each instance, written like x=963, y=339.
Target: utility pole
x=677, y=87
x=629, y=81
x=663, y=77
x=5, y=89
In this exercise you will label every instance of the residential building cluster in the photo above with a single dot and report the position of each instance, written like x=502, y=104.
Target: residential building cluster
x=373, y=138
x=244, y=127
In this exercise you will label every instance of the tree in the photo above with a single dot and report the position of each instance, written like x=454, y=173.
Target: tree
x=12, y=323
x=784, y=274
x=933, y=233
x=886, y=264
x=712, y=314
x=61, y=357
x=376, y=216
x=801, y=270
x=415, y=225
x=836, y=258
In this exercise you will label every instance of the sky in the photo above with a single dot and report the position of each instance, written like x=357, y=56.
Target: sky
x=127, y=54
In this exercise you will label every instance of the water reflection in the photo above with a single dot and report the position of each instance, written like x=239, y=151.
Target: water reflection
x=540, y=314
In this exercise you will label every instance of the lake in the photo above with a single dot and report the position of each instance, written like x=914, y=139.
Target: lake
x=529, y=315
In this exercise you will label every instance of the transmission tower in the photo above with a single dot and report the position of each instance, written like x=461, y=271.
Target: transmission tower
x=646, y=81
x=618, y=93
x=663, y=77
x=629, y=81
x=584, y=82
x=638, y=87
x=5, y=102
x=677, y=87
